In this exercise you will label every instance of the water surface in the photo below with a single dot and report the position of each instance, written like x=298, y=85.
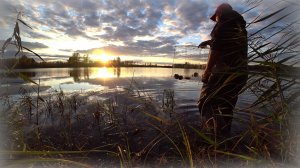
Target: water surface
x=150, y=82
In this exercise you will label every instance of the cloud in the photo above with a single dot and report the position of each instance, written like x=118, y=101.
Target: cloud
x=67, y=50
x=3, y=23
x=11, y=50
x=30, y=45
x=48, y=57
x=192, y=14
x=34, y=45
x=124, y=25
x=122, y=33
x=159, y=46
x=128, y=27
x=92, y=19
x=36, y=35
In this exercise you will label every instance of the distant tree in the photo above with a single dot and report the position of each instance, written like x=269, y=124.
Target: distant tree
x=118, y=62
x=74, y=59
x=25, y=62
x=86, y=60
x=186, y=65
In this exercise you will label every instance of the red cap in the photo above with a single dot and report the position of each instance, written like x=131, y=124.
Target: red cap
x=221, y=8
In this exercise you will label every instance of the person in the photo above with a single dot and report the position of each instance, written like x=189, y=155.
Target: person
x=226, y=71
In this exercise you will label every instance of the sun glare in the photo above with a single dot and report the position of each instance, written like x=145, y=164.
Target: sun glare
x=103, y=58
x=104, y=73
x=100, y=55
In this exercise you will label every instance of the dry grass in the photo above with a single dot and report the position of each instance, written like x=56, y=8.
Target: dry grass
x=136, y=132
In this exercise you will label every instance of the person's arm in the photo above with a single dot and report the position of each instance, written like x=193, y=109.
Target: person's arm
x=204, y=44
x=212, y=59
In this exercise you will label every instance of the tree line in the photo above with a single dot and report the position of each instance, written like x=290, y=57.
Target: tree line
x=78, y=60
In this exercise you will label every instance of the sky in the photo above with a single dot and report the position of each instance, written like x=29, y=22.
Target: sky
x=140, y=30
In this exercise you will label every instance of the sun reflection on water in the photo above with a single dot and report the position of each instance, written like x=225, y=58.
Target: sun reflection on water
x=136, y=72
x=105, y=73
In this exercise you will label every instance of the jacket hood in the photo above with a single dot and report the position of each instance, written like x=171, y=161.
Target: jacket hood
x=233, y=16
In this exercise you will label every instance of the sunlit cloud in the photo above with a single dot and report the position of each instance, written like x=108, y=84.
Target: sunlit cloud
x=100, y=55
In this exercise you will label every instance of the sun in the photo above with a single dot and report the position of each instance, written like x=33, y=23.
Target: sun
x=103, y=58
x=100, y=55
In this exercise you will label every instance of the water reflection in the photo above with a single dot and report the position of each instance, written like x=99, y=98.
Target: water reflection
x=90, y=73
x=151, y=81
x=86, y=73
x=105, y=73
x=75, y=73
x=117, y=71
x=102, y=73
x=15, y=74
x=187, y=72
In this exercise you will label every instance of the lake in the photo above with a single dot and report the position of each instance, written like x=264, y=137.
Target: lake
x=150, y=82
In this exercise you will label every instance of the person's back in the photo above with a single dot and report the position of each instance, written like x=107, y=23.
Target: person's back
x=230, y=36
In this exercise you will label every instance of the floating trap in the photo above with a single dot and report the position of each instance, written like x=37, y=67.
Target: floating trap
x=188, y=62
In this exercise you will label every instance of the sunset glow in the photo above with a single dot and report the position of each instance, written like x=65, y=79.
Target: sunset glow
x=100, y=55
x=102, y=58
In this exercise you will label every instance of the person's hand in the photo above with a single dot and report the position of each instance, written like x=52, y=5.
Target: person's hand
x=203, y=44
x=205, y=77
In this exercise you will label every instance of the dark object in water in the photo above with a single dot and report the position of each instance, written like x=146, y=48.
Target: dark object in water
x=187, y=77
x=180, y=77
x=196, y=74
x=176, y=76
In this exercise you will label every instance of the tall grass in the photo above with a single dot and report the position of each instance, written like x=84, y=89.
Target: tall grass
x=150, y=137
x=275, y=52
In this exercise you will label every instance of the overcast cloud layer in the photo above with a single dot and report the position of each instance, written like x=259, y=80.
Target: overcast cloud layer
x=120, y=27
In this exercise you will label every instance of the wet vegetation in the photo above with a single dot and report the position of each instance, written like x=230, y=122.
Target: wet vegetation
x=131, y=129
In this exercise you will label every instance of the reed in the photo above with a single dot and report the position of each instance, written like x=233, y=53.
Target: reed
x=167, y=141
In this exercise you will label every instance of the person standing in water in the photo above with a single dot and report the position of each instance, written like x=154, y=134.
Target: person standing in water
x=226, y=70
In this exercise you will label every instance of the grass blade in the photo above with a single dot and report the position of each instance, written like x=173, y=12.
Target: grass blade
x=206, y=138
x=34, y=53
x=170, y=139
x=286, y=59
x=270, y=15
x=273, y=23
x=26, y=78
x=24, y=23
x=237, y=155
x=154, y=117
x=5, y=44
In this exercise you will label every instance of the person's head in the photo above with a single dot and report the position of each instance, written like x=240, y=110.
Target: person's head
x=224, y=7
